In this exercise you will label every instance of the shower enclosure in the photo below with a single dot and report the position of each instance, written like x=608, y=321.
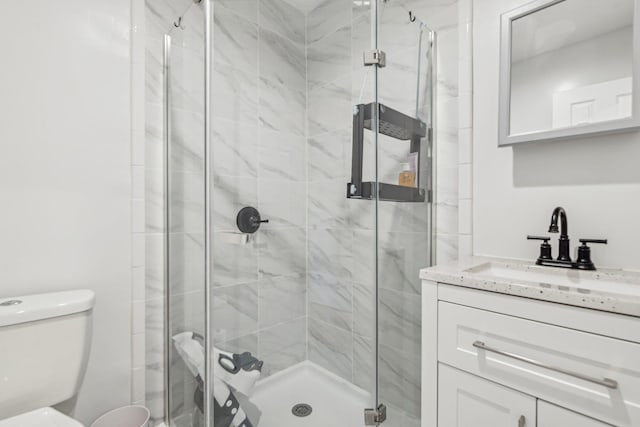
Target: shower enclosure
x=291, y=250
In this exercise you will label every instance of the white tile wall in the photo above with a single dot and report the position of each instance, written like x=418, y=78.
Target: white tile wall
x=137, y=250
x=464, y=181
x=465, y=127
x=138, y=308
x=447, y=143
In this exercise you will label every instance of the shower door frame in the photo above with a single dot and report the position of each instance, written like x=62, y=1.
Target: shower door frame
x=208, y=406
x=166, y=185
x=378, y=413
x=208, y=212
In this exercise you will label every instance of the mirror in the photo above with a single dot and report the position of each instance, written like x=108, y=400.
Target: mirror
x=568, y=68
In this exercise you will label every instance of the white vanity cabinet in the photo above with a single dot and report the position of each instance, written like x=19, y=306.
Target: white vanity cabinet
x=493, y=360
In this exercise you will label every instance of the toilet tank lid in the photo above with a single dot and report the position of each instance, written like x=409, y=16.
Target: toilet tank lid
x=29, y=308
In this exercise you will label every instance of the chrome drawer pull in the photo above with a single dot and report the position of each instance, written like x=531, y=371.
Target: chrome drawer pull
x=612, y=384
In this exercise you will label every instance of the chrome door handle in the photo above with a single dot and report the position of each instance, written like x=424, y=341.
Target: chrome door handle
x=522, y=421
x=606, y=382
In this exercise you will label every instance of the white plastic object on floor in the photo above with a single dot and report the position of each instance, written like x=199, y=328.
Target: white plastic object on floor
x=243, y=381
x=126, y=416
x=191, y=351
x=43, y=417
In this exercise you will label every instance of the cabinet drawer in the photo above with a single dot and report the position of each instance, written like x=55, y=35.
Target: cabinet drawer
x=554, y=416
x=590, y=374
x=465, y=400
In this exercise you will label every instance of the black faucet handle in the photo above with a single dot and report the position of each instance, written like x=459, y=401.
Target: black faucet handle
x=545, y=248
x=544, y=238
x=248, y=220
x=601, y=241
x=584, y=254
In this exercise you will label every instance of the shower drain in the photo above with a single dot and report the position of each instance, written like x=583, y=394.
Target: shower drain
x=301, y=410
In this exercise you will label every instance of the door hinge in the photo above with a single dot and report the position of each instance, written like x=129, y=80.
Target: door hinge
x=374, y=417
x=375, y=57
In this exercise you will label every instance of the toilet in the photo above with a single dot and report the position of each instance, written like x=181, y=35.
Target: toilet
x=45, y=341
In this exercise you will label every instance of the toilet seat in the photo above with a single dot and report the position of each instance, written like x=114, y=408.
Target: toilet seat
x=43, y=417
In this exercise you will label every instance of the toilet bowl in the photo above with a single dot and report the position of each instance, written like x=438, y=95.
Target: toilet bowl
x=45, y=342
x=43, y=417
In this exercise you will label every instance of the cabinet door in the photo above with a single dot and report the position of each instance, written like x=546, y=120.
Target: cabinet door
x=554, y=416
x=465, y=400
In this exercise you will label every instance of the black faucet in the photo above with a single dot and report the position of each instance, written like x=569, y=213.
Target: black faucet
x=564, y=258
x=563, y=254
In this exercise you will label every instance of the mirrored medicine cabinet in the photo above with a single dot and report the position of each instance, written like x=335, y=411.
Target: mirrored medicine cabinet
x=569, y=68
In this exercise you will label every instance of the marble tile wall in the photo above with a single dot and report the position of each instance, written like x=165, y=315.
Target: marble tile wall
x=259, y=93
x=138, y=309
x=330, y=243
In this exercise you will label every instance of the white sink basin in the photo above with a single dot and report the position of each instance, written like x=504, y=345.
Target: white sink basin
x=584, y=281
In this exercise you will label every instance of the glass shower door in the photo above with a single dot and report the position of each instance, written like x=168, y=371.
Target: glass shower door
x=184, y=219
x=404, y=176
x=297, y=293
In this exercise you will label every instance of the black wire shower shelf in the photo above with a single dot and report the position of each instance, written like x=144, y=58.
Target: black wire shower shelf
x=396, y=125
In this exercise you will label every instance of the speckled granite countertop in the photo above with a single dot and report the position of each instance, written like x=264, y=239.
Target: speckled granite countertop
x=616, y=291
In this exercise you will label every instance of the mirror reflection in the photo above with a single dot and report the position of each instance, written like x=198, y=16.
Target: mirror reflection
x=571, y=65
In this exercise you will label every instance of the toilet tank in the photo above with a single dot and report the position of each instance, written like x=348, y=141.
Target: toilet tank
x=44, y=347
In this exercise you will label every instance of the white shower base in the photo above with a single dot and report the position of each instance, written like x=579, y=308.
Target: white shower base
x=335, y=402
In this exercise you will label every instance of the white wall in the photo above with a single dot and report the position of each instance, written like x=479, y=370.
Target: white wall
x=65, y=171
x=597, y=180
